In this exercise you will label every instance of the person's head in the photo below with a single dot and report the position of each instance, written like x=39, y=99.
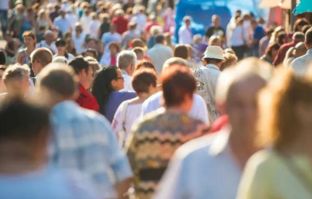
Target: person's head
x=281, y=38
x=40, y=57
x=126, y=61
x=106, y=81
x=272, y=50
x=298, y=37
x=137, y=43
x=230, y=59
x=215, y=20
x=62, y=13
x=187, y=21
x=236, y=94
x=288, y=99
x=93, y=63
x=299, y=23
x=213, y=55
x=178, y=86
x=308, y=39
x=56, y=83
x=215, y=40
x=90, y=52
x=29, y=39
x=83, y=70
x=49, y=36
x=61, y=46
x=160, y=39
x=114, y=48
x=300, y=49
x=175, y=61
x=181, y=51
x=144, y=81
x=16, y=79
x=306, y=28
x=145, y=65
x=78, y=28
x=24, y=134
x=139, y=52
x=12, y=46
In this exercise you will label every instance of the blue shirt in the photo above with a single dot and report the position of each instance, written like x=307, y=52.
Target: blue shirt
x=114, y=100
x=45, y=183
x=84, y=141
x=202, y=168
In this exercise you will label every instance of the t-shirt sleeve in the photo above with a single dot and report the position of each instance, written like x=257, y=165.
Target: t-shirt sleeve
x=118, y=121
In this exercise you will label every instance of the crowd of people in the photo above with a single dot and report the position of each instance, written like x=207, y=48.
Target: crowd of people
x=97, y=101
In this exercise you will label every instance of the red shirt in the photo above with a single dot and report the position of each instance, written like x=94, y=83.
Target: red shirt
x=87, y=100
x=282, y=53
x=121, y=24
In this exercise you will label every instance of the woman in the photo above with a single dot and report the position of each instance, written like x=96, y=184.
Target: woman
x=238, y=38
x=154, y=139
x=110, y=58
x=106, y=89
x=62, y=51
x=144, y=83
x=284, y=169
x=270, y=53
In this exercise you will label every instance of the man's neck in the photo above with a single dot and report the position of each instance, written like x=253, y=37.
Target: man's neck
x=241, y=148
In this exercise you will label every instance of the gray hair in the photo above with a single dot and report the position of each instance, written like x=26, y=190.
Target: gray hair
x=125, y=58
x=15, y=72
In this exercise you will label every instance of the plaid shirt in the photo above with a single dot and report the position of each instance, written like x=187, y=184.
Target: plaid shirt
x=84, y=141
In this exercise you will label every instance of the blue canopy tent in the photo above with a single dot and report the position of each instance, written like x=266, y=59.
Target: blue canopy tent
x=202, y=10
x=303, y=6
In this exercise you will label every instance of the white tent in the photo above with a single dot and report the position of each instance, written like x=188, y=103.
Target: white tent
x=285, y=4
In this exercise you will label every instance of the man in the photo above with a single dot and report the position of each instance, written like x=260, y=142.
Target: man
x=39, y=59
x=300, y=64
x=62, y=23
x=79, y=38
x=30, y=44
x=185, y=32
x=154, y=102
x=215, y=28
x=211, y=166
x=159, y=53
x=24, y=135
x=281, y=54
x=126, y=61
x=82, y=139
x=85, y=74
x=130, y=34
x=111, y=36
x=207, y=77
x=48, y=42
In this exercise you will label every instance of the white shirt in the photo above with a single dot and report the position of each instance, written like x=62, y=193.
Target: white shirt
x=94, y=28
x=86, y=22
x=301, y=64
x=44, y=44
x=237, y=36
x=200, y=169
x=185, y=35
x=72, y=18
x=198, y=111
x=158, y=54
x=127, y=82
x=79, y=42
x=207, y=78
x=126, y=115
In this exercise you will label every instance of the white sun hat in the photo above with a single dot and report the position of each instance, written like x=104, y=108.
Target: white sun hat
x=214, y=52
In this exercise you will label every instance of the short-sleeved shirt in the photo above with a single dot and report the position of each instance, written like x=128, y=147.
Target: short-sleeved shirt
x=83, y=141
x=269, y=175
x=207, y=78
x=45, y=183
x=202, y=168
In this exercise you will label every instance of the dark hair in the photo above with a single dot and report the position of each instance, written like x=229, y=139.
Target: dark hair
x=270, y=48
x=160, y=39
x=143, y=79
x=79, y=64
x=60, y=42
x=299, y=23
x=177, y=82
x=42, y=55
x=22, y=121
x=145, y=64
x=29, y=34
x=181, y=51
x=59, y=79
x=2, y=57
x=102, y=86
x=308, y=37
x=280, y=37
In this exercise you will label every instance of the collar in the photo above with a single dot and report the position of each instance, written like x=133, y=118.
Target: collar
x=220, y=143
x=64, y=105
x=83, y=91
x=309, y=52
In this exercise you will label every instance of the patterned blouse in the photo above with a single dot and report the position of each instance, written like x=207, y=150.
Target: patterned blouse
x=153, y=142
